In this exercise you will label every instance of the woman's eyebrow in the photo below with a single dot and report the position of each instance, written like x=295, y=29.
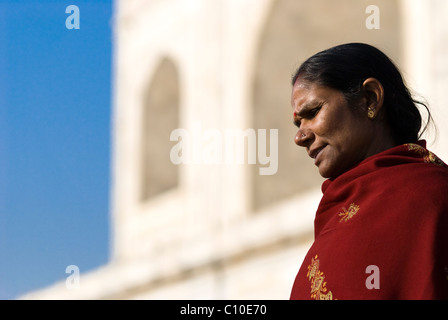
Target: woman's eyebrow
x=306, y=108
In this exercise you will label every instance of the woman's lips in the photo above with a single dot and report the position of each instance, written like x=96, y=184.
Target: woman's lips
x=315, y=154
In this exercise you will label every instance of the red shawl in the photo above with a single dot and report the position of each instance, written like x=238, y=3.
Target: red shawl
x=381, y=231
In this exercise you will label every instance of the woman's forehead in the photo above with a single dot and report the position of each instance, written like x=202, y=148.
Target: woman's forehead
x=305, y=94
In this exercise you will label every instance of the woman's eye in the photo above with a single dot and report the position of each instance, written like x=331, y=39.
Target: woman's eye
x=314, y=111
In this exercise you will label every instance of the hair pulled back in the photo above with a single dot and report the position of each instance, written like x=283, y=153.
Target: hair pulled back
x=346, y=67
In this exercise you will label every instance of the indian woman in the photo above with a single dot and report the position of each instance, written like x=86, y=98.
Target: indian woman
x=381, y=228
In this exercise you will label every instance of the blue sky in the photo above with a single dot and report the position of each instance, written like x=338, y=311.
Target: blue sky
x=55, y=116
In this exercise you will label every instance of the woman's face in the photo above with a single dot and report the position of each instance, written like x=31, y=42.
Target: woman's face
x=336, y=135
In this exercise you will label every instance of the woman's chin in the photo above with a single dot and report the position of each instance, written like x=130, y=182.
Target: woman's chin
x=324, y=171
x=328, y=172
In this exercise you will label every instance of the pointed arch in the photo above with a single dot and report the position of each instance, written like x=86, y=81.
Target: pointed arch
x=160, y=117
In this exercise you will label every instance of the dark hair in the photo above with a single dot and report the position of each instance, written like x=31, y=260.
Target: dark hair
x=346, y=67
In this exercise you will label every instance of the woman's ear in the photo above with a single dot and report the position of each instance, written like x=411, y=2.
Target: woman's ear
x=373, y=96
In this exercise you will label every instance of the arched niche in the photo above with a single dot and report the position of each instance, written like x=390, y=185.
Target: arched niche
x=293, y=31
x=160, y=116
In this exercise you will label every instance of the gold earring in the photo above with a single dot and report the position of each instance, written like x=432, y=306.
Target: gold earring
x=371, y=113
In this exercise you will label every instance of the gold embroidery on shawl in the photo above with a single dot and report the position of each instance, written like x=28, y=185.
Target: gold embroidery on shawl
x=428, y=156
x=318, y=285
x=348, y=214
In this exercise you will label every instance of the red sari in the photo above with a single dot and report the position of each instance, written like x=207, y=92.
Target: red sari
x=381, y=231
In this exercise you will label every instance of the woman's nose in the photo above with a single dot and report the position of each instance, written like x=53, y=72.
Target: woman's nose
x=303, y=138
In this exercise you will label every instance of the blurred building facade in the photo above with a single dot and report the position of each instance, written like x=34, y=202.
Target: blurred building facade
x=209, y=230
